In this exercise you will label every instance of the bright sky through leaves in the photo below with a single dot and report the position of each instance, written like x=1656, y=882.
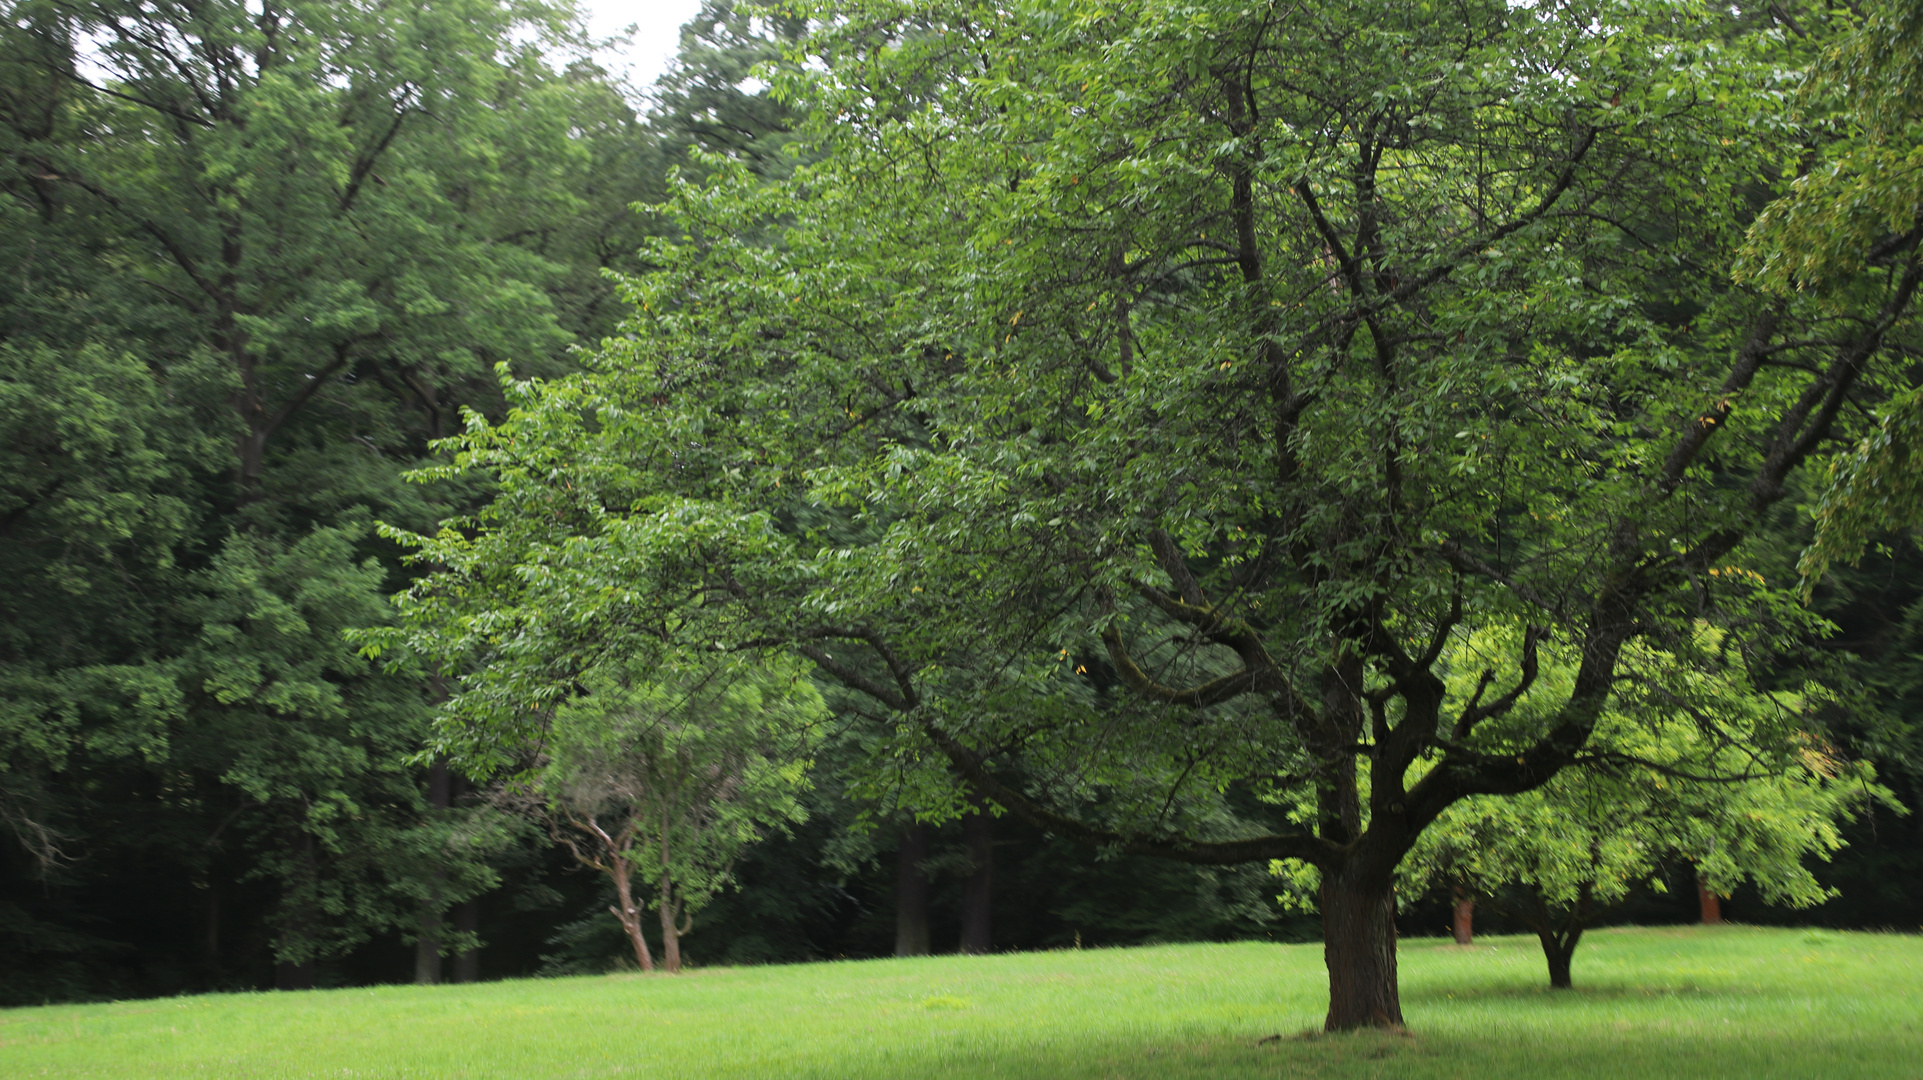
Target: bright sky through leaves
x=657, y=32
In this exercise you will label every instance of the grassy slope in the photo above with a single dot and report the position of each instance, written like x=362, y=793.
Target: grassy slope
x=1696, y=1003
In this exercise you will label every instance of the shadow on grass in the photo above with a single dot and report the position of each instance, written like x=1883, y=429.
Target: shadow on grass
x=1489, y=1050
x=1600, y=990
x=1358, y=1054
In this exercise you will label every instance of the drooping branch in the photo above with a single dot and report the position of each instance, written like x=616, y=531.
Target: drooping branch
x=1463, y=562
x=901, y=697
x=1308, y=848
x=1214, y=692
x=1169, y=554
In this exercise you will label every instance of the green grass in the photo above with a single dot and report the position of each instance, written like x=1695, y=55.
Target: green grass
x=1699, y=1003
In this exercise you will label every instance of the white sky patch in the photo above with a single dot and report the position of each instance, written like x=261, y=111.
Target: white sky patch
x=657, y=33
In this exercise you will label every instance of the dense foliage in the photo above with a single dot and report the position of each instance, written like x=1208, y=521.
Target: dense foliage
x=1174, y=436
x=262, y=255
x=1142, y=399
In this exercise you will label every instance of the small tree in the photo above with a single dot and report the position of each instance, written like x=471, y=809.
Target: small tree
x=1655, y=794
x=667, y=775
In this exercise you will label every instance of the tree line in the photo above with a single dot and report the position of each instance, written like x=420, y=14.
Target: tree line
x=1211, y=450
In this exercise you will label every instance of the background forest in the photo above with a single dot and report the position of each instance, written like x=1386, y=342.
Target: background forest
x=255, y=260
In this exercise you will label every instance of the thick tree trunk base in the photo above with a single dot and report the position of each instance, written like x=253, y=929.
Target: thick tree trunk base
x=1359, y=948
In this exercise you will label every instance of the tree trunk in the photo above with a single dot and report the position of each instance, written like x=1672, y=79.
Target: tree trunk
x=210, y=927
x=629, y=915
x=467, y=920
x=1359, y=949
x=299, y=922
x=978, y=891
x=670, y=909
x=1559, y=952
x=911, y=891
x=1463, y=924
x=427, y=944
x=294, y=976
x=1560, y=937
x=1712, y=905
x=467, y=914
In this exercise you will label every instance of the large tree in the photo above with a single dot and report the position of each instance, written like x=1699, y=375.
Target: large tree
x=262, y=254
x=1182, y=380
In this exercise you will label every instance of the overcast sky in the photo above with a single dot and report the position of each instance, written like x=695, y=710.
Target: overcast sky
x=657, y=35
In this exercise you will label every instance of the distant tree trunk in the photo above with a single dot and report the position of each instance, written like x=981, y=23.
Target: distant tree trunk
x=1712, y=905
x=299, y=922
x=629, y=915
x=1359, y=949
x=1559, y=950
x=288, y=976
x=911, y=891
x=467, y=921
x=1463, y=922
x=978, y=891
x=467, y=914
x=427, y=944
x=210, y=926
x=1560, y=937
x=672, y=926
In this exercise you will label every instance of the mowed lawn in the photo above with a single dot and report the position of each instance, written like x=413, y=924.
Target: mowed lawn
x=1693, y=1003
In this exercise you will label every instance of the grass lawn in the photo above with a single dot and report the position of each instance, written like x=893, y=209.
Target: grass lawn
x=1692, y=1002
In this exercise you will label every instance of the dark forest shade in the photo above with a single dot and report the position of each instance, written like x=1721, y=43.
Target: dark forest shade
x=911, y=891
x=978, y=889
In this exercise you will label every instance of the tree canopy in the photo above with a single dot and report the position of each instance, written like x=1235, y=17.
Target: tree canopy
x=1191, y=376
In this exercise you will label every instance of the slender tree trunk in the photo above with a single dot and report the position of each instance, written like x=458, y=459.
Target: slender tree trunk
x=427, y=944
x=467, y=914
x=630, y=915
x=210, y=927
x=1359, y=949
x=978, y=891
x=911, y=891
x=1712, y=905
x=1463, y=923
x=300, y=922
x=670, y=909
x=467, y=963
